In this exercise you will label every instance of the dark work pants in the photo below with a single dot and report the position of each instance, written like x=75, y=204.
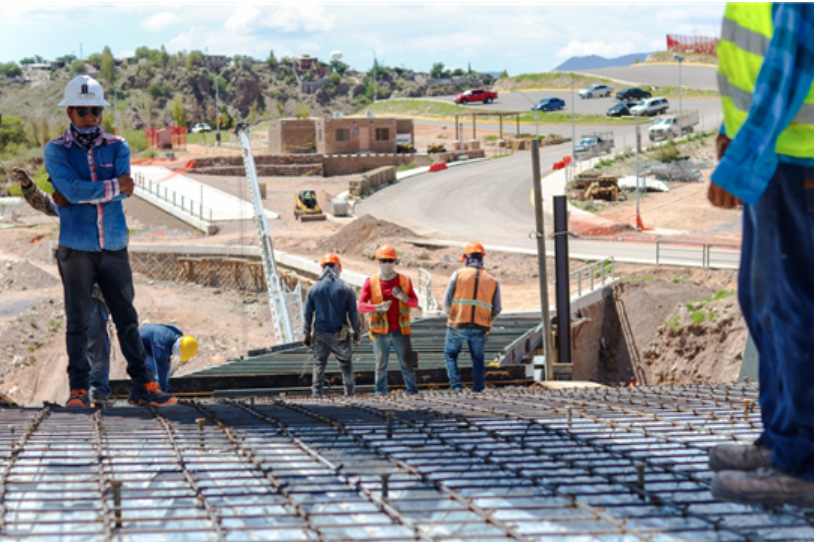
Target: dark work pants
x=110, y=269
x=776, y=293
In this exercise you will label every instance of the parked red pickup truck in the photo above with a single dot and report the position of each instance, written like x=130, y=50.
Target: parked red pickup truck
x=476, y=95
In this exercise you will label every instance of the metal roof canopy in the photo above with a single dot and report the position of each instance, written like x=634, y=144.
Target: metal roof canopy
x=475, y=114
x=290, y=366
x=604, y=465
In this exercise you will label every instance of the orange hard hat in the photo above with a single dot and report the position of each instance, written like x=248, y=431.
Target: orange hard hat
x=386, y=252
x=331, y=258
x=473, y=248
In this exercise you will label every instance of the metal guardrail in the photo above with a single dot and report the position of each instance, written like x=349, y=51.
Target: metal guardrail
x=592, y=275
x=709, y=255
x=186, y=205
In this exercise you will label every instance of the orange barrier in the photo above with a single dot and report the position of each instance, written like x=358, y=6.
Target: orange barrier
x=438, y=166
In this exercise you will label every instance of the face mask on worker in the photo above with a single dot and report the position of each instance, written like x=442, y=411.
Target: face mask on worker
x=387, y=270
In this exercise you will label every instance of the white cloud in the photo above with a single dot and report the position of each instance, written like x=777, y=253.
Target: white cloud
x=291, y=18
x=160, y=21
x=601, y=48
x=243, y=18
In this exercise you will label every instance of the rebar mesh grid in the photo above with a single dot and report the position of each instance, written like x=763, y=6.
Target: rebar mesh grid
x=516, y=464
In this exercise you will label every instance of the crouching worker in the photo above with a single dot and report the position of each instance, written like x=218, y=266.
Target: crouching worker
x=163, y=344
x=388, y=298
x=330, y=313
x=472, y=301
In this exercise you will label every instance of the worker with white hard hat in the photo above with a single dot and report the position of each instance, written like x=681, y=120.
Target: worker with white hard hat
x=90, y=171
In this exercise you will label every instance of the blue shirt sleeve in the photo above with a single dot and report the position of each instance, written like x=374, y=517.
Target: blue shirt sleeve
x=75, y=188
x=353, y=312
x=308, y=324
x=784, y=80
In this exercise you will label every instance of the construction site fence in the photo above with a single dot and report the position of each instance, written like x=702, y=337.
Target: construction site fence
x=170, y=197
x=692, y=44
x=167, y=137
x=710, y=255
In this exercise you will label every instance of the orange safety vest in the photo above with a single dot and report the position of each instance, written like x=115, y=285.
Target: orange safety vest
x=472, y=301
x=379, y=324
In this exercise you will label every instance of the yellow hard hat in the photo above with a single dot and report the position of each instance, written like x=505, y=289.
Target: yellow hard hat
x=189, y=347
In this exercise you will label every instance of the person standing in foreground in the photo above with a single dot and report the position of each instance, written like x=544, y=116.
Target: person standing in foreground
x=330, y=309
x=766, y=152
x=472, y=301
x=388, y=297
x=90, y=171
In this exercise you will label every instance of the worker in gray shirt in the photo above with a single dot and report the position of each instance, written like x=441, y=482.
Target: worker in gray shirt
x=472, y=301
x=330, y=309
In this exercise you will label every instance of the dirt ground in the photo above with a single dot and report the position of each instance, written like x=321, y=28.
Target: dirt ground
x=672, y=342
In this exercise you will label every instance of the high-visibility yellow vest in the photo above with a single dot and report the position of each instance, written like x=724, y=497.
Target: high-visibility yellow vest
x=472, y=300
x=745, y=36
x=379, y=323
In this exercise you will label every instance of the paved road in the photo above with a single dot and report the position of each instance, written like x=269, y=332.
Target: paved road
x=700, y=77
x=488, y=201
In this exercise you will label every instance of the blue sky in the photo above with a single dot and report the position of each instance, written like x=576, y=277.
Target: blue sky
x=492, y=37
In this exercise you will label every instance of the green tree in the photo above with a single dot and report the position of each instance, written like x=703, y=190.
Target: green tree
x=469, y=68
x=458, y=72
x=254, y=112
x=302, y=111
x=159, y=90
x=271, y=60
x=437, y=71
x=67, y=59
x=27, y=60
x=339, y=66
x=10, y=69
x=226, y=120
x=179, y=112
x=12, y=134
x=108, y=67
x=95, y=60
x=78, y=67
x=142, y=52
x=503, y=74
x=194, y=59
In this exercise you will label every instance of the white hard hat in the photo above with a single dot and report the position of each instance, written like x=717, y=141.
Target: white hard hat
x=84, y=90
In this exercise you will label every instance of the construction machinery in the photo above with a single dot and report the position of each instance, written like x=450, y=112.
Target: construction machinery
x=306, y=207
x=285, y=302
x=592, y=185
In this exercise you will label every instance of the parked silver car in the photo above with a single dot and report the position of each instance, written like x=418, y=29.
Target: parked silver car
x=597, y=90
x=651, y=107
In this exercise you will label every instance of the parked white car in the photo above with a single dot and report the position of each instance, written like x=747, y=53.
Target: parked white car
x=597, y=90
x=651, y=107
x=201, y=127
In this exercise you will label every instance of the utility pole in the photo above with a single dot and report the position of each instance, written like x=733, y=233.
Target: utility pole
x=217, y=103
x=680, y=110
x=573, y=125
x=541, y=257
x=638, y=144
x=375, y=77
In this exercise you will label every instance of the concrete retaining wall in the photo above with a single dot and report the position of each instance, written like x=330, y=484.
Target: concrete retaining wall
x=366, y=183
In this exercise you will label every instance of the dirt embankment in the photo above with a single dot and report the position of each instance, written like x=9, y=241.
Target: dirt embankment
x=672, y=325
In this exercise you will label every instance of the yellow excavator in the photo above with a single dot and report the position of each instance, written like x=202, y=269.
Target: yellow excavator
x=306, y=207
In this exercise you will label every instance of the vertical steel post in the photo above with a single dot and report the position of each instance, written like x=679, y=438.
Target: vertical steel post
x=541, y=257
x=561, y=267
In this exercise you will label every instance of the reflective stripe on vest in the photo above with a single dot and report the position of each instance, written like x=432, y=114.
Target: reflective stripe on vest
x=379, y=324
x=472, y=300
x=745, y=35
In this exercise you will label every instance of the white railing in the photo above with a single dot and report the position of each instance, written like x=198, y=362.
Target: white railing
x=591, y=276
x=184, y=204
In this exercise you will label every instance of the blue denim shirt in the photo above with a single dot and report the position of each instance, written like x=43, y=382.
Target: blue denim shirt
x=158, y=340
x=94, y=220
x=780, y=89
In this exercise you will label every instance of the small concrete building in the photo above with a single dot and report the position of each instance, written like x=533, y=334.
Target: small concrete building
x=292, y=136
x=338, y=136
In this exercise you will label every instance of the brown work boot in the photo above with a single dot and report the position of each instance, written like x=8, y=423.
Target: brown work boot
x=764, y=486
x=150, y=394
x=740, y=456
x=79, y=399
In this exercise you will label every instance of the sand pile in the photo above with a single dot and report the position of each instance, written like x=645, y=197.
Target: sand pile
x=19, y=276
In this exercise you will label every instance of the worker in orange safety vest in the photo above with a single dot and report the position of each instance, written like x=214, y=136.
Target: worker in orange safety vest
x=472, y=301
x=388, y=298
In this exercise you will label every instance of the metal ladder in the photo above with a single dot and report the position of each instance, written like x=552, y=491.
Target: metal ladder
x=285, y=303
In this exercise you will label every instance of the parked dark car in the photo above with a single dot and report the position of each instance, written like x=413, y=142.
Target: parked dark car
x=621, y=109
x=549, y=104
x=627, y=94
